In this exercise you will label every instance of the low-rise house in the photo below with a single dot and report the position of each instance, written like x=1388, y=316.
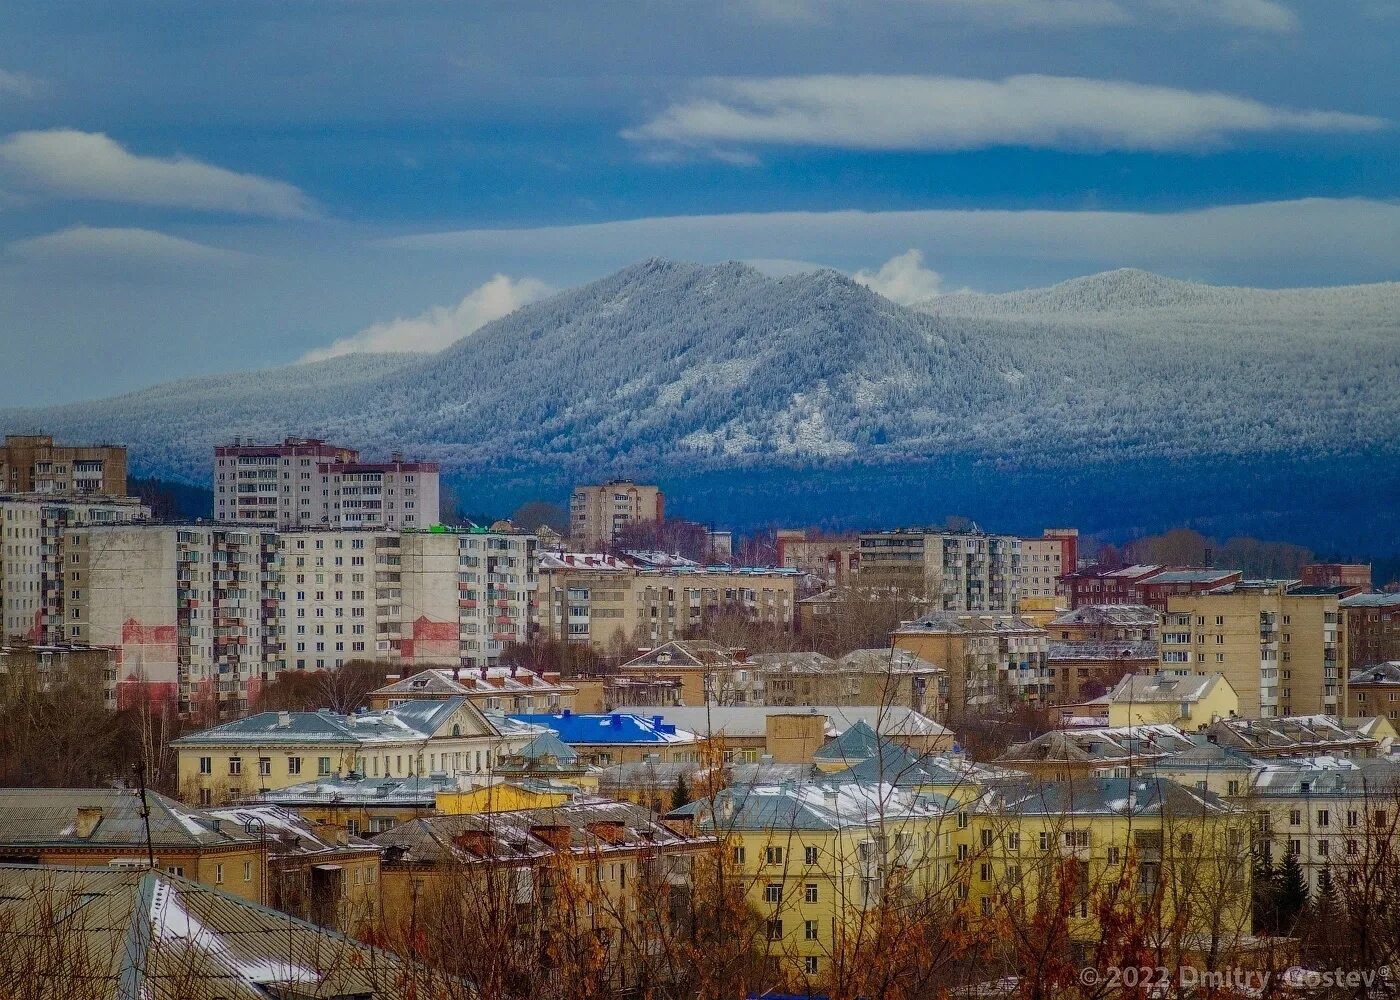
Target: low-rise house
x=1375, y=690
x=601, y=866
x=617, y=738
x=745, y=734
x=359, y=805
x=1191, y=702
x=494, y=690
x=276, y=749
x=136, y=933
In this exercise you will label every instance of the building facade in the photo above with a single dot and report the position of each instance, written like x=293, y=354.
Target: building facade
x=34, y=545
x=598, y=513
x=1280, y=645
x=32, y=463
x=993, y=661
x=1045, y=559
x=1372, y=625
x=953, y=571
x=1144, y=584
x=308, y=483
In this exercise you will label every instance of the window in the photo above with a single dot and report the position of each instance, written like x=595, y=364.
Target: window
x=218, y=874
x=738, y=855
x=235, y=765
x=1295, y=817
x=774, y=855
x=986, y=872
x=809, y=855
x=1323, y=847
x=986, y=838
x=323, y=766
x=1044, y=840
x=264, y=767
x=1013, y=841
x=809, y=965
x=809, y=892
x=1113, y=855
x=247, y=871
x=773, y=892
x=775, y=930
x=809, y=930
x=293, y=765
x=1324, y=817
x=206, y=765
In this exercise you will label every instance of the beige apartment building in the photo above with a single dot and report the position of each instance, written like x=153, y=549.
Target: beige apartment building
x=614, y=605
x=598, y=513
x=993, y=661
x=1045, y=559
x=32, y=463
x=953, y=571
x=1280, y=645
x=33, y=544
x=310, y=483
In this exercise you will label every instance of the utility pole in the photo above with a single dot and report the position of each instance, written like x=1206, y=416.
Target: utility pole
x=140, y=768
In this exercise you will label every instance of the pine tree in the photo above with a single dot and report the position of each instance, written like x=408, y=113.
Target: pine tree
x=1265, y=896
x=681, y=795
x=1292, y=894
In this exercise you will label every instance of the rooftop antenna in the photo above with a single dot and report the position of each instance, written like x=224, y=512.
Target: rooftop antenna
x=140, y=768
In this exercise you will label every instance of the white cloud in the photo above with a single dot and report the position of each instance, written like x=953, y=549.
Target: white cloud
x=440, y=326
x=118, y=244
x=952, y=113
x=1256, y=15
x=902, y=279
x=66, y=163
x=18, y=84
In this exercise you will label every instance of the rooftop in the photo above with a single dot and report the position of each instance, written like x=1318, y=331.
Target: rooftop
x=49, y=817
x=612, y=728
x=411, y=722
x=1149, y=689
x=752, y=720
x=1109, y=615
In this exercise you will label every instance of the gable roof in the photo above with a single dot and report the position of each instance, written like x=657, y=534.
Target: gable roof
x=418, y=791
x=1138, y=797
x=1160, y=689
x=681, y=653
x=149, y=935
x=48, y=817
x=412, y=721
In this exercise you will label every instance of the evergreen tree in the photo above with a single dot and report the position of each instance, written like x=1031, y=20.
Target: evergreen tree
x=1265, y=896
x=1292, y=894
x=681, y=795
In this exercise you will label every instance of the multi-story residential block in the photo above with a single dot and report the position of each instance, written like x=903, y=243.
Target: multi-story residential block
x=598, y=513
x=1374, y=691
x=34, y=553
x=190, y=609
x=706, y=672
x=272, y=750
x=308, y=483
x=1372, y=626
x=1080, y=671
x=890, y=677
x=612, y=604
x=993, y=661
x=1106, y=623
x=1357, y=575
x=1045, y=559
x=833, y=559
x=1279, y=644
x=1148, y=585
x=953, y=571
x=32, y=463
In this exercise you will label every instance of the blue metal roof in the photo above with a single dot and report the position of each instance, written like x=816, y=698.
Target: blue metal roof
x=582, y=730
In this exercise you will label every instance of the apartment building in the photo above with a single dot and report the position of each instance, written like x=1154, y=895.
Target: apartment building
x=1356, y=575
x=1106, y=623
x=598, y=513
x=704, y=672
x=953, y=571
x=993, y=661
x=32, y=463
x=1145, y=584
x=1372, y=626
x=612, y=604
x=832, y=558
x=192, y=610
x=1374, y=691
x=308, y=482
x=43, y=666
x=1278, y=643
x=492, y=689
x=33, y=545
x=1045, y=559
x=889, y=677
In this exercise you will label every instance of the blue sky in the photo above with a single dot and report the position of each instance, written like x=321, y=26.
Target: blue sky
x=192, y=188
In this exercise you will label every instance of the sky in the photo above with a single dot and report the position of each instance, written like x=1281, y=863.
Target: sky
x=197, y=188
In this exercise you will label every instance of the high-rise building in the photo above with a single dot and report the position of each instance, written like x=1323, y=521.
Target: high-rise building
x=33, y=545
x=598, y=513
x=309, y=483
x=952, y=570
x=1279, y=644
x=1372, y=623
x=32, y=463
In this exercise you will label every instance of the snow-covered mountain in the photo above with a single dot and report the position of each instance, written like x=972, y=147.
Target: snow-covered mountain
x=669, y=365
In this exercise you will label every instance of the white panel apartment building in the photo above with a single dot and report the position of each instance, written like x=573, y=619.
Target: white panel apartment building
x=32, y=548
x=309, y=483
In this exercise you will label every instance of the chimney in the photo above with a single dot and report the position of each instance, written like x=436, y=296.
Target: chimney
x=284, y=720
x=741, y=654
x=88, y=819
x=560, y=838
x=615, y=720
x=551, y=676
x=611, y=831
x=513, y=668
x=475, y=842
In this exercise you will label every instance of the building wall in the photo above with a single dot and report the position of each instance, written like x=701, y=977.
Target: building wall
x=32, y=463
x=988, y=668
x=1219, y=703
x=1282, y=654
x=598, y=513
x=1045, y=559
x=953, y=571
x=1372, y=630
